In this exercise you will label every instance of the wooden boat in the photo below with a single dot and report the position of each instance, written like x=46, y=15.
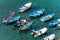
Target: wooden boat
x=39, y=32
x=54, y=22
x=37, y=13
x=50, y=37
x=15, y=18
x=26, y=26
x=25, y=7
x=47, y=17
x=7, y=17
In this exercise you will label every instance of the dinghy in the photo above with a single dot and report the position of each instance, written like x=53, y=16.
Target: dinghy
x=13, y=19
x=39, y=32
x=37, y=13
x=9, y=16
x=47, y=17
x=50, y=37
x=25, y=7
x=26, y=26
x=54, y=22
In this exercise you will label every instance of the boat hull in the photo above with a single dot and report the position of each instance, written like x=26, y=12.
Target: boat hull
x=26, y=26
x=25, y=7
x=13, y=19
x=50, y=37
x=37, y=13
x=43, y=30
x=54, y=22
x=47, y=17
x=9, y=16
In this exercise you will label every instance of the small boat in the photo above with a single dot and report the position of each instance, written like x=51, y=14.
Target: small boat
x=39, y=32
x=20, y=23
x=9, y=16
x=26, y=26
x=37, y=13
x=25, y=7
x=13, y=19
x=50, y=37
x=54, y=22
x=47, y=17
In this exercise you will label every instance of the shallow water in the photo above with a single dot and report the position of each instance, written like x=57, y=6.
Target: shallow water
x=6, y=31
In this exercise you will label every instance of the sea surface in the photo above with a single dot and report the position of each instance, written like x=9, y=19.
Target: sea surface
x=8, y=33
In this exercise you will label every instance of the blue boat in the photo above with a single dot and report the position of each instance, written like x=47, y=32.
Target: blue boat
x=54, y=22
x=47, y=17
x=9, y=16
x=37, y=13
x=13, y=19
x=26, y=26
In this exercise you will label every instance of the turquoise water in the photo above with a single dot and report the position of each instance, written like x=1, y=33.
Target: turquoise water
x=6, y=31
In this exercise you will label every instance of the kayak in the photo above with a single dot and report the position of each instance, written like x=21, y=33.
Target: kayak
x=25, y=7
x=37, y=13
x=7, y=17
x=50, y=37
x=39, y=32
x=26, y=26
x=54, y=22
x=47, y=17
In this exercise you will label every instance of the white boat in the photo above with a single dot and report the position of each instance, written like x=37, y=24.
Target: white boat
x=47, y=17
x=25, y=7
x=39, y=32
x=50, y=37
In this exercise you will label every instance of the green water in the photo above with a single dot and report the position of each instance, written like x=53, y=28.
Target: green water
x=6, y=31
